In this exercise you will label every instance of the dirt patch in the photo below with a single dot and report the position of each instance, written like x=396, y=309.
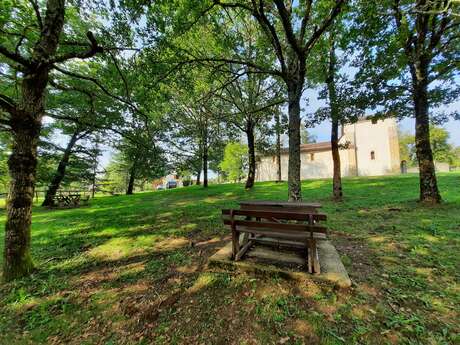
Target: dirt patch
x=360, y=260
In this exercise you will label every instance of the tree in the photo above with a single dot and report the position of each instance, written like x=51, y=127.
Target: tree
x=439, y=138
x=306, y=137
x=406, y=147
x=29, y=55
x=329, y=60
x=292, y=30
x=235, y=161
x=409, y=63
x=194, y=118
x=251, y=100
x=278, y=131
x=442, y=150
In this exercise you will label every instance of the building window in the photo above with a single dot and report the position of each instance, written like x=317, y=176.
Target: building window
x=312, y=156
x=372, y=155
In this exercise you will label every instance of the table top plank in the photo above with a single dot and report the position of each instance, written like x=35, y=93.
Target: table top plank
x=276, y=203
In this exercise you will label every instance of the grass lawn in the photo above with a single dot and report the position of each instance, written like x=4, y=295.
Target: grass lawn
x=131, y=270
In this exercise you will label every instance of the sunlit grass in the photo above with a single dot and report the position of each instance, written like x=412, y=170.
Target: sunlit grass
x=127, y=267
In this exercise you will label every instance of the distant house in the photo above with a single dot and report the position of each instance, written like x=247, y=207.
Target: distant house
x=163, y=181
x=368, y=148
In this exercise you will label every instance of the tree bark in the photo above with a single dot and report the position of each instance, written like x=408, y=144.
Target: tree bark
x=132, y=175
x=205, y=156
x=251, y=156
x=294, y=94
x=337, y=193
x=60, y=172
x=429, y=191
x=278, y=146
x=198, y=177
x=26, y=126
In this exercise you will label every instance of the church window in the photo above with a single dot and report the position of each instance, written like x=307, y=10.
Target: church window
x=372, y=155
x=312, y=156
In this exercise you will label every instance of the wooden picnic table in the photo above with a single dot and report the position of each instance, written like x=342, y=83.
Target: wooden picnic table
x=280, y=205
x=291, y=224
x=70, y=199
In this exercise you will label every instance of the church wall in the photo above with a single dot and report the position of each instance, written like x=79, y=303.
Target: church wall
x=375, y=147
x=376, y=153
x=320, y=167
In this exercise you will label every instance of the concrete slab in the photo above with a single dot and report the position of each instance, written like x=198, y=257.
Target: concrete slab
x=289, y=264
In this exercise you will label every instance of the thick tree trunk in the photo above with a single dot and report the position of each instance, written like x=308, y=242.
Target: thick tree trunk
x=337, y=193
x=251, y=156
x=132, y=174
x=60, y=172
x=26, y=127
x=26, y=120
x=278, y=146
x=17, y=261
x=428, y=184
x=294, y=94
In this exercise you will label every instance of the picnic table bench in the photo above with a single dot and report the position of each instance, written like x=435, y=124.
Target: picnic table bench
x=290, y=224
x=70, y=199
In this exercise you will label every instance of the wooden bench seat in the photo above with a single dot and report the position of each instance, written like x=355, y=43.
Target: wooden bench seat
x=285, y=226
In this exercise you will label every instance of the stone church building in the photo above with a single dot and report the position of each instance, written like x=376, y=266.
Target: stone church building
x=368, y=148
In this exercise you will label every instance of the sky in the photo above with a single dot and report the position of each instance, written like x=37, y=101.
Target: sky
x=322, y=131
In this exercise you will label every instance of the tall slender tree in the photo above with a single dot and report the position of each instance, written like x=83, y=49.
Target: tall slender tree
x=251, y=100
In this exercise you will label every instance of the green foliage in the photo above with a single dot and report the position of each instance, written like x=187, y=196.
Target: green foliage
x=306, y=137
x=384, y=55
x=4, y=175
x=406, y=147
x=442, y=150
x=235, y=161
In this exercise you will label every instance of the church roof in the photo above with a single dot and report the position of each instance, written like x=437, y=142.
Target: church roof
x=316, y=147
x=313, y=147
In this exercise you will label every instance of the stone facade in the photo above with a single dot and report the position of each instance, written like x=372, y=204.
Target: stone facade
x=367, y=149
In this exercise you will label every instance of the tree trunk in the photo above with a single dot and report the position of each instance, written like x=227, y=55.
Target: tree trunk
x=251, y=156
x=294, y=94
x=22, y=167
x=428, y=184
x=198, y=177
x=278, y=146
x=132, y=174
x=337, y=193
x=205, y=157
x=60, y=172
x=335, y=115
x=26, y=126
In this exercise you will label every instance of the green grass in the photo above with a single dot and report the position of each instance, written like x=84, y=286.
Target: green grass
x=123, y=271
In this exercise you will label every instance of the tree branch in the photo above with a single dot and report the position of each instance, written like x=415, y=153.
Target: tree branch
x=7, y=104
x=14, y=56
x=286, y=22
x=93, y=50
x=326, y=23
x=37, y=14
